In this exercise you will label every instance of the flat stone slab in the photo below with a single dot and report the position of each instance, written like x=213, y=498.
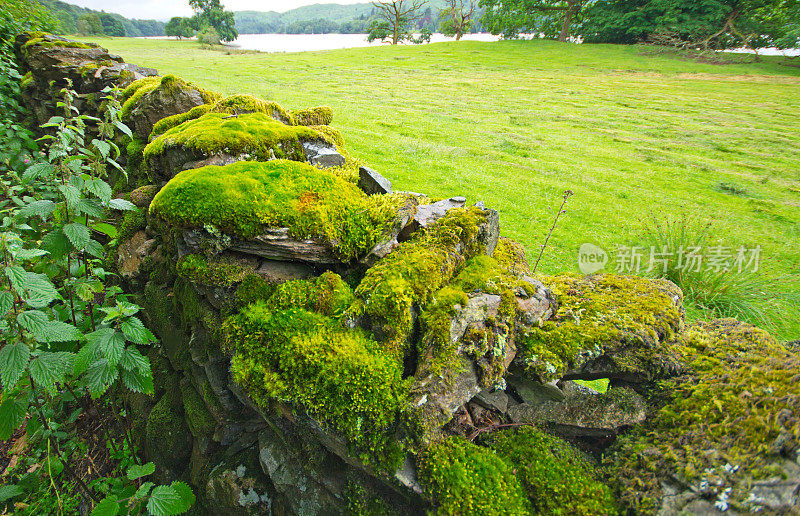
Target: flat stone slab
x=372, y=183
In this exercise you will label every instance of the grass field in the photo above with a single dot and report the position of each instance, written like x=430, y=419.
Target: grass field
x=515, y=124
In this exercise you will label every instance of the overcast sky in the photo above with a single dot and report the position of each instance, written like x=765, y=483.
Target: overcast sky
x=166, y=9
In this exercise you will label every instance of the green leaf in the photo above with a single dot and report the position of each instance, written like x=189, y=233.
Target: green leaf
x=71, y=194
x=124, y=128
x=13, y=360
x=102, y=146
x=110, y=342
x=135, y=331
x=9, y=491
x=169, y=500
x=106, y=229
x=12, y=414
x=17, y=275
x=58, y=331
x=40, y=291
x=138, y=382
x=57, y=243
x=91, y=208
x=143, y=491
x=108, y=506
x=6, y=302
x=121, y=204
x=33, y=320
x=100, y=189
x=29, y=254
x=77, y=233
x=35, y=171
x=100, y=376
x=95, y=248
x=137, y=471
x=50, y=368
x=86, y=355
x=42, y=209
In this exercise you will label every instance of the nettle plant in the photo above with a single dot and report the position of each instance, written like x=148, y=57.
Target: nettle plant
x=69, y=335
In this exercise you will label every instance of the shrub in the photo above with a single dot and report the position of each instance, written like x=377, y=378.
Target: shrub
x=209, y=36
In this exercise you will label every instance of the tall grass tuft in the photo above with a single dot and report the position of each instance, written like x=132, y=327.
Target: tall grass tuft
x=747, y=296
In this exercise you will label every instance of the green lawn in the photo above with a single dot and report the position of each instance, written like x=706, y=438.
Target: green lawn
x=516, y=123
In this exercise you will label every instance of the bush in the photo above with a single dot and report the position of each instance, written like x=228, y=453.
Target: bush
x=209, y=36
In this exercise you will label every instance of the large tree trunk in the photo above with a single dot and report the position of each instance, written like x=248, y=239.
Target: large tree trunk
x=572, y=9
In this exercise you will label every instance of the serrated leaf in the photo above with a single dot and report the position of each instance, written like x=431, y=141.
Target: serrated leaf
x=95, y=248
x=135, y=331
x=110, y=342
x=16, y=276
x=86, y=355
x=9, y=491
x=29, y=254
x=39, y=290
x=77, y=233
x=99, y=377
x=33, y=320
x=50, y=368
x=58, y=331
x=35, y=171
x=106, y=229
x=138, y=382
x=100, y=189
x=121, y=204
x=13, y=361
x=124, y=128
x=137, y=471
x=90, y=207
x=108, y=506
x=143, y=490
x=41, y=208
x=102, y=146
x=12, y=414
x=132, y=360
x=170, y=500
x=6, y=303
x=71, y=194
x=57, y=243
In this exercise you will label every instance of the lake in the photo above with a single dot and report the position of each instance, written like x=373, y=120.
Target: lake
x=306, y=42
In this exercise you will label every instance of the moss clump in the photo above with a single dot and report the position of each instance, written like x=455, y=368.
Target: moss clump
x=133, y=94
x=253, y=288
x=166, y=431
x=240, y=104
x=167, y=123
x=626, y=317
x=132, y=221
x=322, y=115
x=410, y=276
x=330, y=135
x=222, y=272
x=339, y=376
x=557, y=478
x=328, y=295
x=465, y=479
x=136, y=85
x=50, y=43
x=26, y=80
x=135, y=153
x=730, y=420
x=143, y=195
x=511, y=256
x=362, y=502
x=200, y=421
x=256, y=134
x=245, y=198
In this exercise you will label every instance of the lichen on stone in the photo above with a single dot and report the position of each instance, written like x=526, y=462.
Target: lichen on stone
x=245, y=198
x=134, y=93
x=730, y=421
x=627, y=317
x=223, y=272
x=241, y=104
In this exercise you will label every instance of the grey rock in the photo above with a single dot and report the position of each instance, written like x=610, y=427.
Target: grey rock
x=426, y=215
x=497, y=400
x=276, y=244
x=161, y=103
x=372, y=183
x=216, y=160
x=533, y=392
x=478, y=308
x=274, y=271
x=535, y=302
x=322, y=154
x=389, y=240
x=489, y=231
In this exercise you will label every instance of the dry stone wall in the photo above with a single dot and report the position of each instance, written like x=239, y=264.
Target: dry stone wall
x=329, y=345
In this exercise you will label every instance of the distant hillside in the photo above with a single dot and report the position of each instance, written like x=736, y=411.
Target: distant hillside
x=69, y=17
x=319, y=18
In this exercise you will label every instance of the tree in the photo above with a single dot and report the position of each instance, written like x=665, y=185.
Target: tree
x=211, y=13
x=179, y=27
x=395, y=19
x=549, y=17
x=688, y=24
x=111, y=25
x=89, y=25
x=457, y=17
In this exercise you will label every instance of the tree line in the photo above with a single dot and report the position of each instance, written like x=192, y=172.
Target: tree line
x=71, y=19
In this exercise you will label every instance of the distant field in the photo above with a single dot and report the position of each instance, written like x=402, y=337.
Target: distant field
x=516, y=123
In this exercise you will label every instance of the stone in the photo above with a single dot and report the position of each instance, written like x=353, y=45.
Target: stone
x=372, y=183
x=218, y=160
x=388, y=241
x=276, y=244
x=161, y=103
x=427, y=214
x=535, y=302
x=585, y=413
x=533, y=392
x=497, y=400
x=275, y=272
x=477, y=310
x=131, y=253
x=322, y=154
x=143, y=195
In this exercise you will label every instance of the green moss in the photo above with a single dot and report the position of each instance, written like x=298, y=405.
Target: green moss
x=245, y=198
x=169, y=122
x=411, y=275
x=328, y=295
x=132, y=221
x=222, y=272
x=557, y=478
x=143, y=195
x=240, y=104
x=511, y=256
x=253, y=288
x=322, y=115
x=135, y=153
x=136, y=85
x=466, y=479
x=166, y=431
x=362, y=502
x=134, y=93
x=26, y=80
x=256, y=134
x=339, y=376
x=42, y=42
x=200, y=421
x=330, y=135
x=737, y=405
x=625, y=316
